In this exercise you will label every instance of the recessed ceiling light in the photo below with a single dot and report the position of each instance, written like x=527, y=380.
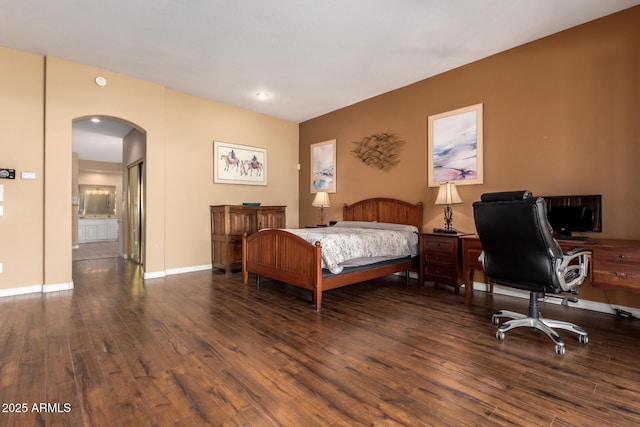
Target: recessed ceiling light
x=101, y=81
x=95, y=120
x=262, y=95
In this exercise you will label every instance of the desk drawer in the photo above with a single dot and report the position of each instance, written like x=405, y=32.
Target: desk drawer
x=471, y=258
x=616, y=277
x=620, y=255
x=616, y=267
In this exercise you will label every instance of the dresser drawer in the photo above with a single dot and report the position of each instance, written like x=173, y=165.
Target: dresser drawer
x=441, y=273
x=440, y=257
x=445, y=246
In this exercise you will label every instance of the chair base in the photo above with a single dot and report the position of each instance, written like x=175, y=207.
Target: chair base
x=534, y=320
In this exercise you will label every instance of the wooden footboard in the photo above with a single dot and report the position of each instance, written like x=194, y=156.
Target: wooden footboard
x=285, y=257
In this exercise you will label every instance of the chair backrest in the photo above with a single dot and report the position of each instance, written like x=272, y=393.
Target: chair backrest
x=519, y=248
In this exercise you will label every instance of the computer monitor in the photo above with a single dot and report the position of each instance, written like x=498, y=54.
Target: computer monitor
x=569, y=214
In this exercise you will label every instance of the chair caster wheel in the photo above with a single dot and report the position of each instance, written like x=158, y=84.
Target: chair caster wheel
x=560, y=350
x=495, y=320
x=583, y=339
x=500, y=335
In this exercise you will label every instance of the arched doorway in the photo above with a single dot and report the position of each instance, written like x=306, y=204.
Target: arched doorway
x=104, y=147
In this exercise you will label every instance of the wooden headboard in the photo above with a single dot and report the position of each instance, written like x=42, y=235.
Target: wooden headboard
x=384, y=210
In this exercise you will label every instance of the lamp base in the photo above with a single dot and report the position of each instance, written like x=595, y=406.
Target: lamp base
x=445, y=230
x=448, y=218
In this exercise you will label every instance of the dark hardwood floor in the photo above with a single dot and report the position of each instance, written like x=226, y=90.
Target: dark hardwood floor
x=202, y=349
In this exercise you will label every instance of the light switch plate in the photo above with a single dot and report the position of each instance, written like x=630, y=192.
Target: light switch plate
x=28, y=175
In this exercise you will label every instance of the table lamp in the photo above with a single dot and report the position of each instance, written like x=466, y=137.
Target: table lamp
x=448, y=195
x=321, y=201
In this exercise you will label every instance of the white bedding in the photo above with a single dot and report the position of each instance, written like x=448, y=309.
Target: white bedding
x=361, y=243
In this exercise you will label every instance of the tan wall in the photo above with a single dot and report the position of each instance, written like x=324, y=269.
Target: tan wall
x=36, y=126
x=21, y=148
x=194, y=124
x=561, y=116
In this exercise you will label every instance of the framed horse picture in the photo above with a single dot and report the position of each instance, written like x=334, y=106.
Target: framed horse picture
x=239, y=164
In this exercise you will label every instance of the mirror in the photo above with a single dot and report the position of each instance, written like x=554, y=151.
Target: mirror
x=97, y=200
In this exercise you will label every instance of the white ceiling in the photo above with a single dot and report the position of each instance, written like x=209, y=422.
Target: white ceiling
x=100, y=141
x=311, y=56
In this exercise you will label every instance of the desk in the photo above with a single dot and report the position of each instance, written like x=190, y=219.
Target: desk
x=615, y=263
x=471, y=250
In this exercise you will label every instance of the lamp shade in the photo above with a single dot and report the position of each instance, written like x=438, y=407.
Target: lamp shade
x=321, y=200
x=448, y=194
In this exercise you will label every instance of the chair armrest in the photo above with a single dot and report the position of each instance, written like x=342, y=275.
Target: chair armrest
x=574, y=251
x=573, y=268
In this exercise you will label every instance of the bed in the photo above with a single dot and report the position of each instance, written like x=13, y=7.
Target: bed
x=283, y=256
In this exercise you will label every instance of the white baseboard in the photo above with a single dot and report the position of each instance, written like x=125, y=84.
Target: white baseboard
x=154, y=275
x=172, y=271
x=36, y=289
x=57, y=287
x=191, y=269
x=582, y=303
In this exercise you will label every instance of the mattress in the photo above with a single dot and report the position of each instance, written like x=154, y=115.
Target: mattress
x=357, y=243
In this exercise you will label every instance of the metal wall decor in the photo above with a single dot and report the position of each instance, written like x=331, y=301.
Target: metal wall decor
x=379, y=150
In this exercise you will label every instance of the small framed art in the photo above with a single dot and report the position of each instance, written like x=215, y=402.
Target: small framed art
x=239, y=164
x=323, y=166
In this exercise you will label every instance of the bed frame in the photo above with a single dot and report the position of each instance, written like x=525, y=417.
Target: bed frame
x=285, y=257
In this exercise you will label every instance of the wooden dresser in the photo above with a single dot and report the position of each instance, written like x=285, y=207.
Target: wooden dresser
x=230, y=222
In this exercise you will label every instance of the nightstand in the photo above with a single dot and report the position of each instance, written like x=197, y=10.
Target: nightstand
x=440, y=259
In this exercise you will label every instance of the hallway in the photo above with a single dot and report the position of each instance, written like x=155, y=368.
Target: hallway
x=87, y=251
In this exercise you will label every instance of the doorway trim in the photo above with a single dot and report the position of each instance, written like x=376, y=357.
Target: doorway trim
x=135, y=212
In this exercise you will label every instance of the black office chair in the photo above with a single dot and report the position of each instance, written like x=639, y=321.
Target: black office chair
x=519, y=251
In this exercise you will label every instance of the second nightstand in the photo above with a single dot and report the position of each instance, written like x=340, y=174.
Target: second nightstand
x=440, y=259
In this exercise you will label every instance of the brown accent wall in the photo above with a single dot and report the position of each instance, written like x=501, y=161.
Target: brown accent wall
x=561, y=116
